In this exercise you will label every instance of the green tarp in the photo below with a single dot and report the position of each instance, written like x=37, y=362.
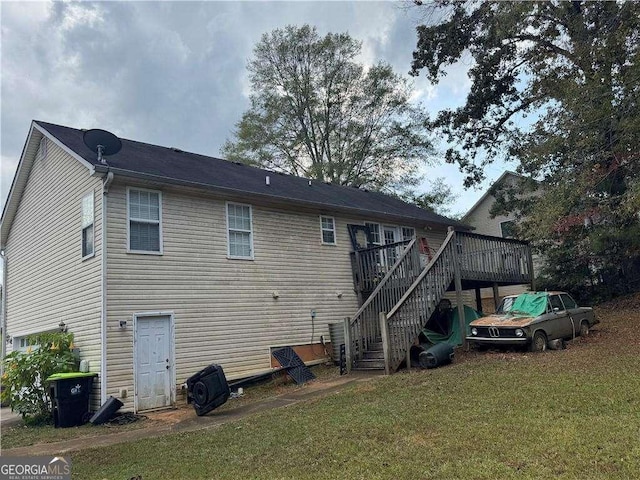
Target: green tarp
x=530, y=304
x=453, y=337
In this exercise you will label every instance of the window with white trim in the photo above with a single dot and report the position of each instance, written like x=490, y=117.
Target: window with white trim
x=408, y=233
x=239, y=231
x=328, y=230
x=145, y=220
x=22, y=344
x=374, y=228
x=87, y=225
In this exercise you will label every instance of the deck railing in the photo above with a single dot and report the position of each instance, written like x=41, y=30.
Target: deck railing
x=493, y=259
x=370, y=265
x=364, y=327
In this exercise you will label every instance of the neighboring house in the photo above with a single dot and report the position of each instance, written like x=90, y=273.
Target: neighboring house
x=162, y=262
x=479, y=217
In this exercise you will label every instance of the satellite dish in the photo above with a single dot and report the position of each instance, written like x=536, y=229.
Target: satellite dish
x=102, y=142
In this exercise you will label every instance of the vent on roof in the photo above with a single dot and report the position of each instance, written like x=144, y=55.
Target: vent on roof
x=175, y=149
x=239, y=163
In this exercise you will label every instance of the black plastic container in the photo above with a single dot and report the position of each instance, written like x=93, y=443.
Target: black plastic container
x=70, y=393
x=208, y=389
x=438, y=355
x=106, y=411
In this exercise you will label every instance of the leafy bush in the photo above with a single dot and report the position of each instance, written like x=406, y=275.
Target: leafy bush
x=25, y=374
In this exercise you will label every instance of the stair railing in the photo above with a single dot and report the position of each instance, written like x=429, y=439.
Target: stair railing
x=414, y=308
x=364, y=328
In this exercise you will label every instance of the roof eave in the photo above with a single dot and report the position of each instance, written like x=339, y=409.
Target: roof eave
x=279, y=199
x=36, y=132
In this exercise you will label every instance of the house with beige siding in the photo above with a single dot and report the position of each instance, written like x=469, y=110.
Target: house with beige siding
x=161, y=261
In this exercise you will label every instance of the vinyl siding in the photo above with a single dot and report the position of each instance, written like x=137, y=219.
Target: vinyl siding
x=47, y=279
x=224, y=310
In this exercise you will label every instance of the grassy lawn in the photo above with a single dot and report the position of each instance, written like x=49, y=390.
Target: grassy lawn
x=562, y=414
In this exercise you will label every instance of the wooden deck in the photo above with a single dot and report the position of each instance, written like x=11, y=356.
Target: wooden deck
x=399, y=289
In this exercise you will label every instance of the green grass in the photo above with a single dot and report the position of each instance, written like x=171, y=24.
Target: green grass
x=22, y=435
x=571, y=414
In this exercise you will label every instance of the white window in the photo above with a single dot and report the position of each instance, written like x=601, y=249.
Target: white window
x=145, y=221
x=328, y=230
x=375, y=232
x=87, y=225
x=22, y=344
x=239, y=231
x=408, y=233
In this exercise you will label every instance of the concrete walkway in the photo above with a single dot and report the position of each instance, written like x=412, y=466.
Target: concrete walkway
x=9, y=418
x=311, y=391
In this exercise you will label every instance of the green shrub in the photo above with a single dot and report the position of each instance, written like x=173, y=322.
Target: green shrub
x=25, y=374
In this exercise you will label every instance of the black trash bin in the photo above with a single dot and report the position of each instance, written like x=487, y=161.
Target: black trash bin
x=208, y=389
x=70, y=394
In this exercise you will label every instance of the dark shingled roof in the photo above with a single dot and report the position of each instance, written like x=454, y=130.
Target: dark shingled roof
x=169, y=165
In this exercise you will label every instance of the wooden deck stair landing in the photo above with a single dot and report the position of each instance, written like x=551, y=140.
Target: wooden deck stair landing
x=405, y=296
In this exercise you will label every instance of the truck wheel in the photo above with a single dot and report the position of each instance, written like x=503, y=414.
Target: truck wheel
x=538, y=342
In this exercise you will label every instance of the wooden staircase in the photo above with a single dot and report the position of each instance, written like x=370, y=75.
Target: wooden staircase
x=394, y=313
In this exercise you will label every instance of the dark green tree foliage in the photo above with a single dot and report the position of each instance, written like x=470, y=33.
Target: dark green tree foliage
x=318, y=113
x=555, y=85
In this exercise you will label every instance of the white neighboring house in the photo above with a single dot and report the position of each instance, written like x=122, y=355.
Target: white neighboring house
x=162, y=261
x=479, y=217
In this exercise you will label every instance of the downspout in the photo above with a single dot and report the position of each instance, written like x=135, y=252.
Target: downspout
x=103, y=321
x=3, y=310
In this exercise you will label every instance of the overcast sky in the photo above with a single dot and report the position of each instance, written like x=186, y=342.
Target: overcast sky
x=174, y=73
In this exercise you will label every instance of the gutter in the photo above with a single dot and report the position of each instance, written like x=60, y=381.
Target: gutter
x=103, y=316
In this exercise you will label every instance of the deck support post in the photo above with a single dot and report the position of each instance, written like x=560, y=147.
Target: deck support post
x=347, y=344
x=531, y=272
x=496, y=297
x=458, y=284
x=386, y=344
x=478, y=300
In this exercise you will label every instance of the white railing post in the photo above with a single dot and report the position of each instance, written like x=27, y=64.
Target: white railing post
x=386, y=344
x=347, y=344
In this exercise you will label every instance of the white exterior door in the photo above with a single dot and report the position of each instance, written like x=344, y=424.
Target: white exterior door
x=154, y=362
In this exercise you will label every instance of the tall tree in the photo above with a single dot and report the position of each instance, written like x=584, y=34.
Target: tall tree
x=555, y=85
x=316, y=112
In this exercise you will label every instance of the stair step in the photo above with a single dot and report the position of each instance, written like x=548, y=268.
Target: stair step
x=369, y=364
x=373, y=355
x=375, y=347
